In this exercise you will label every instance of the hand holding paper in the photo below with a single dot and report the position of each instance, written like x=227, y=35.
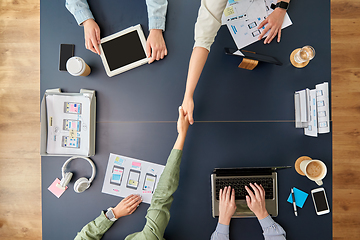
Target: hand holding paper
x=127, y=206
x=273, y=25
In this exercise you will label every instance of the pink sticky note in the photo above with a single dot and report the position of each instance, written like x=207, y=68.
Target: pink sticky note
x=73, y=125
x=136, y=164
x=55, y=190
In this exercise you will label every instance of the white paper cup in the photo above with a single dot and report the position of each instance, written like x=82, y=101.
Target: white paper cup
x=76, y=66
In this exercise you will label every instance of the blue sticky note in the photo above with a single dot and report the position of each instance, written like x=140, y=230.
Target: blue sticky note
x=116, y=177
x=231, y=1
x=300, y=197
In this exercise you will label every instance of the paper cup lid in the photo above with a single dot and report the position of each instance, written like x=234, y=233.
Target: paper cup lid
x=75, y=66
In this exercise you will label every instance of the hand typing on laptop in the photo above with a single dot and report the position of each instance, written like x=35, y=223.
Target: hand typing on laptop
x=256, y=203
x=227, y=206
x=256, y=200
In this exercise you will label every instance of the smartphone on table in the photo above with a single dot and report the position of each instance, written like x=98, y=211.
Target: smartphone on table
x=320, y=201
x=66, y=52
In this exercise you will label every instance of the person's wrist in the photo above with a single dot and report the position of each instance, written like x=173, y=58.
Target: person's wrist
x=156, y=30
x=261, y=215
x=280, y=10
x=182, y=134
x=87, y=21
x=117, y=213
x=188, y=96
x=224, y=220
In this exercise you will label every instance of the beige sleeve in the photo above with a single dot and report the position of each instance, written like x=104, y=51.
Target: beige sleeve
x=208, y=22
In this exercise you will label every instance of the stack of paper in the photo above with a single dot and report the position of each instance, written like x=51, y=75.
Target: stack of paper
x=243, y=18
x=312, y=110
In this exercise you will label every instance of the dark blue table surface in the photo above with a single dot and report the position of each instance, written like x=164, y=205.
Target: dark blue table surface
x=131, y=107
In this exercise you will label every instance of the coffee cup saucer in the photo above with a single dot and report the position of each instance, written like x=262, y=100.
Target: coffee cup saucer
x=297, y=164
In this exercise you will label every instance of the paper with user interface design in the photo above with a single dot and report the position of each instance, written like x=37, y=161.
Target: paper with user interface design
x=125, y=176
x=68, y=120
x=243, y=10
x=244, y=29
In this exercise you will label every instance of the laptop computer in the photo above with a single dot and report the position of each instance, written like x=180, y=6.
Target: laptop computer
x=237, y=178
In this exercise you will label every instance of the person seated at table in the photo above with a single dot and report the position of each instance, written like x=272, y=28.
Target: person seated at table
x=155, y=44
x=158, y=214
x=256, y=202
x=206, y=27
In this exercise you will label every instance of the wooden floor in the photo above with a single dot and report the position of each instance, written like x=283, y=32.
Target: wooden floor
x=20, y=199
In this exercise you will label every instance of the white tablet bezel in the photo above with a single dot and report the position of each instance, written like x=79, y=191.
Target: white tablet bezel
x=138, y=63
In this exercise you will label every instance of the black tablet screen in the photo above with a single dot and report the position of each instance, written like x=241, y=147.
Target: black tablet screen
x=123, y=50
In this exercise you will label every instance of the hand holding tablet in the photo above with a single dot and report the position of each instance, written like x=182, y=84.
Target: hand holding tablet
x=128, y=49
x=92, y=35
x=155, y=45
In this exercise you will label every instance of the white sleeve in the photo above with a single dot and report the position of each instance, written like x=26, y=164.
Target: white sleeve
x=208, y=22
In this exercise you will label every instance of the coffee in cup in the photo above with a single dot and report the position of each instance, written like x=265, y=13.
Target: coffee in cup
x=76, y=66
x=315, y=170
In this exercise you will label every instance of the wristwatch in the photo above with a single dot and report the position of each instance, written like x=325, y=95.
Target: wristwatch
x=110, y=214
x=282, y=4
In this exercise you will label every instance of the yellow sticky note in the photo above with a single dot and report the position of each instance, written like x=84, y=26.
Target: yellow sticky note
x=228, y=11
x=72, y=133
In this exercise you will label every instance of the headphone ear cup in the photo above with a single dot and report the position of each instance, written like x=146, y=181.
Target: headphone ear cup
x=66, y=179
x=81, y=185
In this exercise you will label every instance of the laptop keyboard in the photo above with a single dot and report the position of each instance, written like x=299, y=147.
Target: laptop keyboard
x=239, y=185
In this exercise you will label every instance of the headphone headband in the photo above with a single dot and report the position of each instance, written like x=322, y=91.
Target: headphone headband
x=87, y=159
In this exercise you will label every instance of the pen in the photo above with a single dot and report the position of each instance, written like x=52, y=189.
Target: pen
x=294, y=203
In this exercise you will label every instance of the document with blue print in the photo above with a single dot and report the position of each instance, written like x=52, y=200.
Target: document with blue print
x=243, y=10
x=312, y=110
x=125, y=176
x=243, y=25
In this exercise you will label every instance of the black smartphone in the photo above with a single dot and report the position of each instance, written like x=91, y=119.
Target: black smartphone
x=66, y=52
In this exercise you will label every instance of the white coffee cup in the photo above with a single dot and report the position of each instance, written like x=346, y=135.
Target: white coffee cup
x=315, y=170
x=76, y=66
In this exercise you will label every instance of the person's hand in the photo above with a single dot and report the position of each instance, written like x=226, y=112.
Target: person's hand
x=127, y=206
x=92, y=35
x=227, y=206
x=188, y=107
x=182, y=123
x=274, y=22
x=155, y=45
x=256, y=202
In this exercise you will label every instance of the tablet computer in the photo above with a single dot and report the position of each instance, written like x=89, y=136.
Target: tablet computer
x=123, y=50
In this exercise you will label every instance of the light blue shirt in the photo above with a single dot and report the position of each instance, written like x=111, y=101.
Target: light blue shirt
x=271, y=230
x=156, y=12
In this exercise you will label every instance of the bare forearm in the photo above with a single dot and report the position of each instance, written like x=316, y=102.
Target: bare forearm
x=196, y=65
x=179, y=143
